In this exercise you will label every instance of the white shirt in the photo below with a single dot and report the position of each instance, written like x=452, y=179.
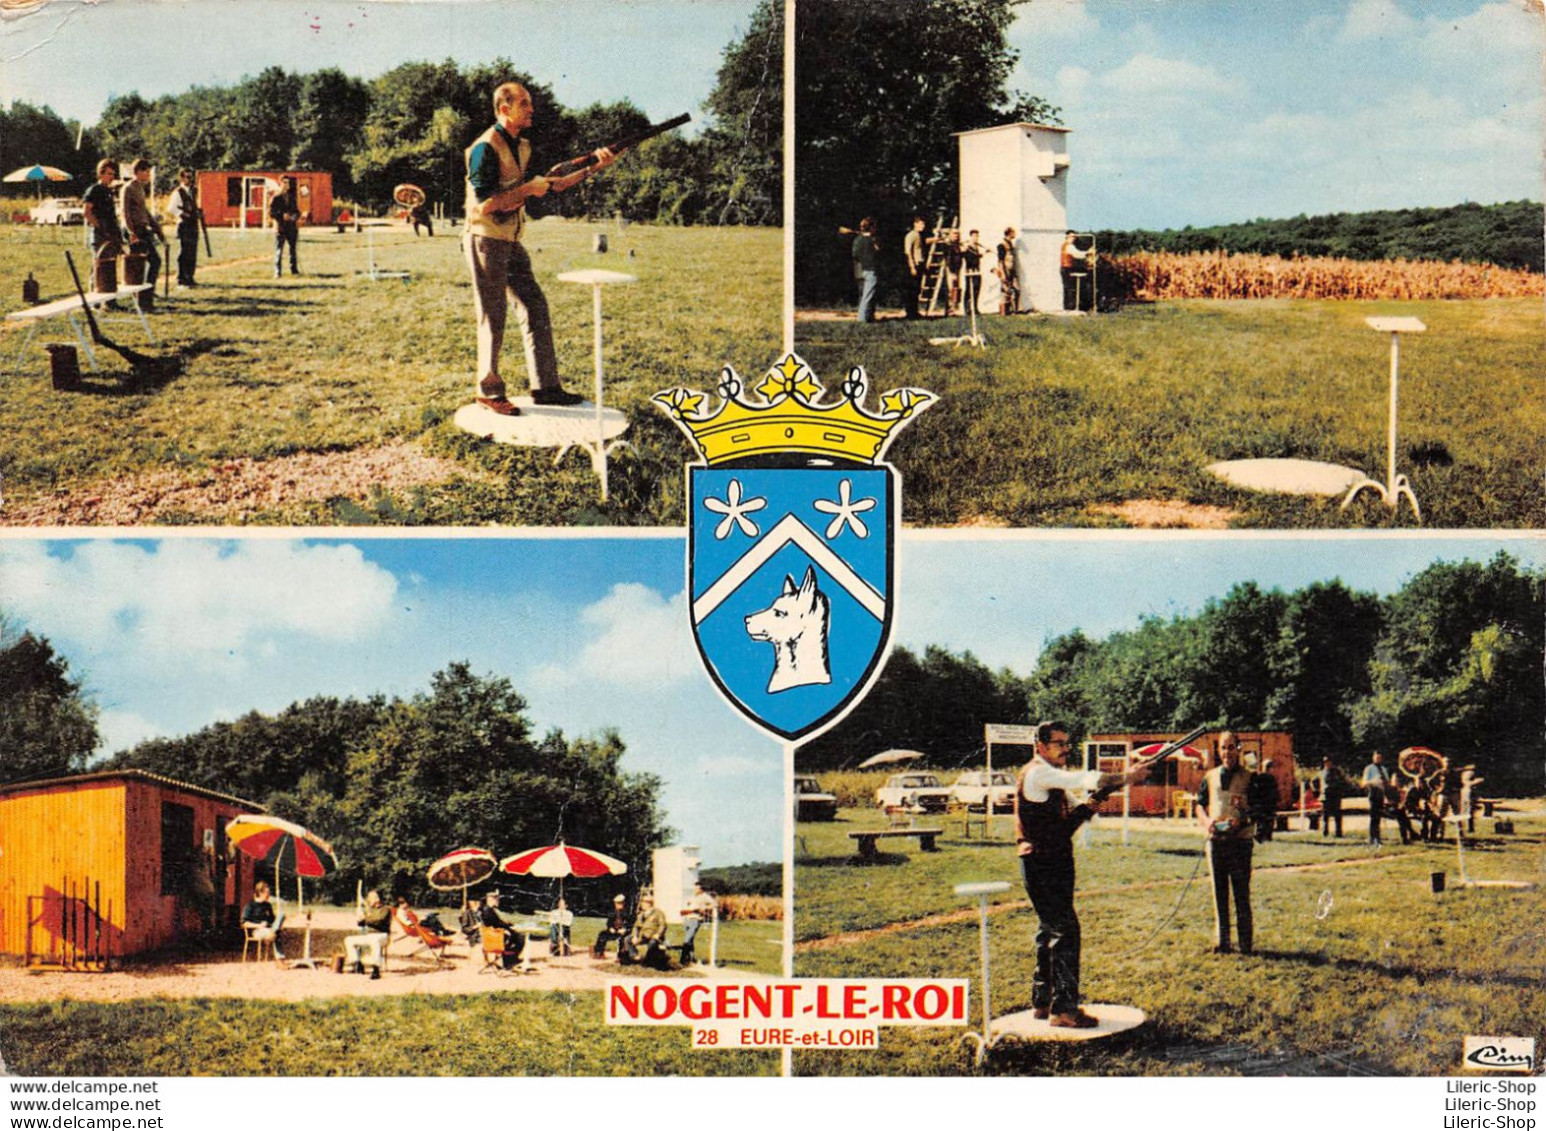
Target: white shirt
x=1041, y=776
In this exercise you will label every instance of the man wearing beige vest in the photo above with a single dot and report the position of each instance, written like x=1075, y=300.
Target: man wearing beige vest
x=497, y=191
x=1224, y=810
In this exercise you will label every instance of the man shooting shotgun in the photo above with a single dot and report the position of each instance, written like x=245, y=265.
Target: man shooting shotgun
x=498, y=187
x=618, y=148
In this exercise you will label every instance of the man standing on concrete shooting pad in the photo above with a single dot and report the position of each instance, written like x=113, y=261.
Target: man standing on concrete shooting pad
x=1045, y=826
x=497, y=191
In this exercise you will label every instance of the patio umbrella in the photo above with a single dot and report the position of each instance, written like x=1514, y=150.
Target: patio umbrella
x=37, y=174
x=890, y=757
x=560, y=861
x=1420, y=762
x=461, y=869
x=283, y=846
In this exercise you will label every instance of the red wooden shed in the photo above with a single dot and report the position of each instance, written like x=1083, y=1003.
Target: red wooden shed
x=1184, y=771
x=239, y=199
x=102, y=865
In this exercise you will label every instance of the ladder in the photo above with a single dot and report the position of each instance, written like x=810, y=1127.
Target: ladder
x=934, y=278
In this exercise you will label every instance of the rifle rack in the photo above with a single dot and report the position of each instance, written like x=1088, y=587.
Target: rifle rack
x=79, y=934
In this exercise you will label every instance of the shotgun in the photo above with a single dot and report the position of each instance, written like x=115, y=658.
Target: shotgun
x=1154, y=760
x=575, y=164
x=133, y=357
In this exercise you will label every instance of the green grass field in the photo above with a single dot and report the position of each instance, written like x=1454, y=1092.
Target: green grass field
x=257, y=368
x=1388, y=981
x=531, y=1033
x=517, y=1033
x=1059, y=418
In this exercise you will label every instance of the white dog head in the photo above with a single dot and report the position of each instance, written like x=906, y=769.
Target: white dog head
x=796, y=625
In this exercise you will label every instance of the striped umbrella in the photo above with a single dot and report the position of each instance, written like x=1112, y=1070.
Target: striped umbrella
x=562, y=860
x=283, y=846
x=37, y=174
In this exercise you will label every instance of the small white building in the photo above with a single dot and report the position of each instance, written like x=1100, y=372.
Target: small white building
x=1016, y=176
x=675, y=873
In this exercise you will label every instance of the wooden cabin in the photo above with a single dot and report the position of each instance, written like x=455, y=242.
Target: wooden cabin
x=239, y=199
x=99, y=866
x=1183, y=772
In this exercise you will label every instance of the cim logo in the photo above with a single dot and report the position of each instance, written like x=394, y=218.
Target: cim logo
x=1499, y=1054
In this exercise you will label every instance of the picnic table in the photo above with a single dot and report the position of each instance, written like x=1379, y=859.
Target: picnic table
x=866, y=842
x=71, y=309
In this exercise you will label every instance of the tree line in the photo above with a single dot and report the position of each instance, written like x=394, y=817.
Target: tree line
x=391, y=783
x=414, y=123
x=1452, y=660
x=1505, y=235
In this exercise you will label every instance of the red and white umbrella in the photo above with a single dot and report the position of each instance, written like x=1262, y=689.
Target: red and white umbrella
x=1421, y=762
x=559, y=861
x=461, y=869
x=283, y=846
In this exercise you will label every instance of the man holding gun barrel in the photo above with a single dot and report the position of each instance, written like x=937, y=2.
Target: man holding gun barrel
x=1045, y=826
x=497, y=191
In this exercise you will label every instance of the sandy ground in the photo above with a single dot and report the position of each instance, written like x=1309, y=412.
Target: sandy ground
x=225, y=975
x=1161, y=514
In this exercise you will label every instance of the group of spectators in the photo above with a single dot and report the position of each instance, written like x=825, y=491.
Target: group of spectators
x=640, y=938
x=1419, y=805
x=960, y=261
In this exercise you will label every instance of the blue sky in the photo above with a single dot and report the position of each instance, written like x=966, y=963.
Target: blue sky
x=74, y=55
x=175, y=633
x=1212, y=111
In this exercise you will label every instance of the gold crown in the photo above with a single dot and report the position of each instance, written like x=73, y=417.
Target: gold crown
x=789, y=419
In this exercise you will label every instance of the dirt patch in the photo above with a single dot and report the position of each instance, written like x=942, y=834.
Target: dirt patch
x=1159, y=514
x=235, y=489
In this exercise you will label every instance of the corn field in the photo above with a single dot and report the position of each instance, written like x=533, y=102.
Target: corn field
x=750, y=907
x=1167, y=275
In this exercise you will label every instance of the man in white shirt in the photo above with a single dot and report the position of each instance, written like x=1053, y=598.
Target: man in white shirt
x=1376, y=779
x=1045, y=825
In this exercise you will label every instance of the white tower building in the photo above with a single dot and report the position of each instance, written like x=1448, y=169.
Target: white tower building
x=1016, y=176
x=675, y=872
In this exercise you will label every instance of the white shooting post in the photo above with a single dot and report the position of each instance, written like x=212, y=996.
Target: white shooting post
x=1394, y=487
x=374, y=273
x=599, y=446
x=982, y=891
x=1016, y=176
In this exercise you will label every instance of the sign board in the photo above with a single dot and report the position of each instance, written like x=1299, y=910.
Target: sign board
x=1017, y=734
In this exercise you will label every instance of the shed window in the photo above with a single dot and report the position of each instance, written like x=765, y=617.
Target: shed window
x=178, y=851
x=233, y=192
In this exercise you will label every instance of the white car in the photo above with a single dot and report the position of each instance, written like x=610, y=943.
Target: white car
x=811, y=802
x=971, y=789
x=59, y=210
x=913, y=791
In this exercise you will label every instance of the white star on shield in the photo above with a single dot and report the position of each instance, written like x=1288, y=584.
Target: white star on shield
x=847, y=512
x=735, y=512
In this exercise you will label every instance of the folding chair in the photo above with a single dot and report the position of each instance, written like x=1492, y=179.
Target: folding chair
x=494, y=952
x=427, y=939
x=260, y=937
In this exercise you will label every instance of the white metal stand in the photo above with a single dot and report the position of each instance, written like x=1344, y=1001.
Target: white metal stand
x=1395, y=486
x=974, y=338
x=1466, y=881
x=982, y=891
x=376, y=274
x=600, y=447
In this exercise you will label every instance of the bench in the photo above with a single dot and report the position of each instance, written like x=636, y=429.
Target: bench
x=70, y=308
x=866, y=841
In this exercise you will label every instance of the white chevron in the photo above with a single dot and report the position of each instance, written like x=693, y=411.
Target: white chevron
x=790, y=529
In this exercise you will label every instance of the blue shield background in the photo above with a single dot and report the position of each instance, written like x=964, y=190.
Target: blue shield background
x=856, y=638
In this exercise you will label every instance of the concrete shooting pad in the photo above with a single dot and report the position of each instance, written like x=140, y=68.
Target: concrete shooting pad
x=541, y=426
x=1287, y=476
x=1024, y=1026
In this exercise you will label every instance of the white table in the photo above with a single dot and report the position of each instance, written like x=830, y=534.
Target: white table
x=600, y=446
x=72, y=310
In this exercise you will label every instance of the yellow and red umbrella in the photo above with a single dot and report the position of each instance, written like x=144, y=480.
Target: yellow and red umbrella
x=283, y=846
x=1420, y=762
x=461, y=869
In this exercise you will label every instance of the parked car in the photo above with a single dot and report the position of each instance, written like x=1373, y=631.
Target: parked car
x=59, y=210
x=971, y=789
x=913, y=791
x=811, y=803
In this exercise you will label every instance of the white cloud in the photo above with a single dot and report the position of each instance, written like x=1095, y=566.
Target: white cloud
x=1072, y=83
x=198, y=601
x=1149, y=76
x=1374, y=19
x=120, y=730
x=1484, y=34
x=634, y=637
x=1054, y=19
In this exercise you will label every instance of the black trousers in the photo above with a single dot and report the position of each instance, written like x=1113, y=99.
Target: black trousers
x=1376, y=811
x=1050, y=884
x=187, y=252
x=1330, y=812
x=1229, y=862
